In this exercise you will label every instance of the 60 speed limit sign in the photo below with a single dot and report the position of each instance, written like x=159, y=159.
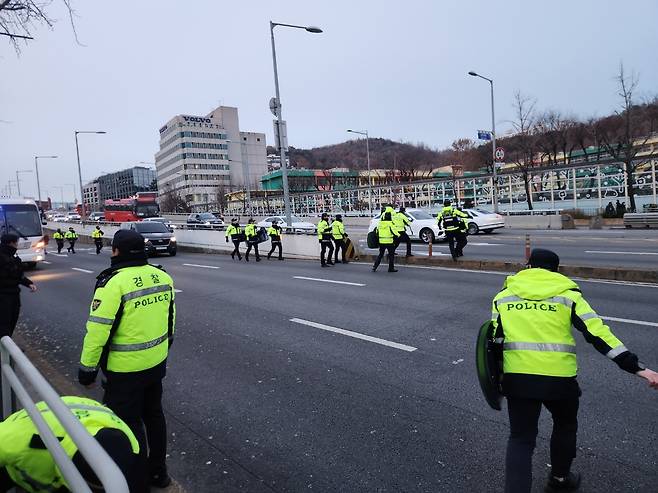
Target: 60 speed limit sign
x=500, y=154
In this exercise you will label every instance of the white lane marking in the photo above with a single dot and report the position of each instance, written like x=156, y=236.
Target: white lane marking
x=82, y=270
x=328, y=280
x=46, y=262
x=202, y=266
x=621, y=253
x=356, y=335
x=630, y=321
x=484, y=244
x=178, y=290
x=59, y=254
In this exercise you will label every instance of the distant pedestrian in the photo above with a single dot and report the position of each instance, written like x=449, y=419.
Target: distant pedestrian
x=58, y=236
x=251, y=233
x=324, y=237
x=401, y=221
x=609, y=210
x=274, y=233
x=97, y=234
x=618, y=211
x=11, y=277
x=235, y=233
x=387, y=234
x=71, y=236
x=340, y=239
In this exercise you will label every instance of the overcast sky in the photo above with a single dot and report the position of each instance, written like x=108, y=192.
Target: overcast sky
x=395, y=68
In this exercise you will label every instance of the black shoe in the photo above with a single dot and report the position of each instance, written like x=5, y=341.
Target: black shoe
x=374, y=269
x=454, y=257
x=233, y=256
x=257, y=259
x=281, y=258
x=246, y=258
x=324, y=265
x=269, y=258
x=392, y=270
x=570, y=483
x=160, y=480
x=239, y=258
x=410, y=255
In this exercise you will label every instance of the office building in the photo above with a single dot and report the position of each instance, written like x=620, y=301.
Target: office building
x=202, y=157
x=91, y=196
x=118, y=185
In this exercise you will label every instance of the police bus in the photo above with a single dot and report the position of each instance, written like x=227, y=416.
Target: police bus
x=22, y=218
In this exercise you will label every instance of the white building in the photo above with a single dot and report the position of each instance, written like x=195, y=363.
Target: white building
x=91, y=196
x=201, y=157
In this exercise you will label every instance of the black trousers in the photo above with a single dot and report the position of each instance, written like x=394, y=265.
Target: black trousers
x=456, y=250
x=99, y=245
x=250, y=245
x=326, y=247
x=340, y=246
x=403, y=237
x=523, y=418
x=275, y=244
x=60, y=245
x=390, y=248
x=138, y=402
x=10, y=307
x=236, y=250
x=6, y=482
x=71, y=247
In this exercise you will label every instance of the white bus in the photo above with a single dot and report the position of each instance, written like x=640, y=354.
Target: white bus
x=22, y=218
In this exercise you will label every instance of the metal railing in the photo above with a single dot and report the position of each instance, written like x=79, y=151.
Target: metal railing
x=106, y=470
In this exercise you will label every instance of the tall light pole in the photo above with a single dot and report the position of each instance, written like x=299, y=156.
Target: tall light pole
x=18, y=181
x=36, y=167
x=493, y=140
x=61, y=195
x=77, y=151
x=280, y=124
x=365, y=132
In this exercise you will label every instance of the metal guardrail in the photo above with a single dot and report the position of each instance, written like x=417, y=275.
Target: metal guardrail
x=641, y=219
x=106, y=470
x=532, y=212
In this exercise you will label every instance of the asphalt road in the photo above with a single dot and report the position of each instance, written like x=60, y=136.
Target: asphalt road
x=259, y=403
x=635, y=249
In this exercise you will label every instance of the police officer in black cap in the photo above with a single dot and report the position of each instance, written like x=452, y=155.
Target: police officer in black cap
x=11, y=278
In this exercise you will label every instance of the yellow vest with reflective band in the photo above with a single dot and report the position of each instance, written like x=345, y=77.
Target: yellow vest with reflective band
x=388, y=209
x=274, y=233
x=58, y=236
x=337, y=230
x=30, y=465
x=232, y=231
x=534, y=314
x=386, y=232
x=400, y=221
x=96, y=233
x=250, y=230
x=136, y=304
x=451, y=217
x=323, y=229
x=71, y=235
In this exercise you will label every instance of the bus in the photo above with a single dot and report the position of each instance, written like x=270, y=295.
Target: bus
x=22, y=218
x=135, y=208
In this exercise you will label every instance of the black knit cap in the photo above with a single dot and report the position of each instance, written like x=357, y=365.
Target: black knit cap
x=8, y=238
x=118, y=447
x=544, y=259
x=128, y=242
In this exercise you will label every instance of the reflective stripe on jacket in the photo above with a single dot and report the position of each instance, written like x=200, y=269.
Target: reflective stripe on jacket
x=232, y=231
x=274, y=233
x=71, y=235
x=250, y=230
x=324, y=230
x=337, y=230
x=400, y=221
x=386, y=232
x=451, y=218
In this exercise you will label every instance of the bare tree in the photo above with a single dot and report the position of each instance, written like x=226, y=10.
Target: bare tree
x=18, y=18
x=554, y=136
x=221, y=201
x=173, y=201
x=525, y=139
x=625, y=134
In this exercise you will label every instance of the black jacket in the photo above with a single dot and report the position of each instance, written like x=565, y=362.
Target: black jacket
x=11, y=271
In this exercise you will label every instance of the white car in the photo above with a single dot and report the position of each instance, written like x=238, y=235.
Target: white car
x=73, y=216
x=483, y=220
x=162, y=220
x=423, y=227
x=58, y=218
x=298, y=225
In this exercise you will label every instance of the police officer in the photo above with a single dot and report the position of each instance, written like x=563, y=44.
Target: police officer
x=11, y=277
x=71, y=236
x=129, y=330
x=387, y=234
x=450, y=218
x=97, y=234
x=274, y=233
x=533, y=316
x=324, y=237
x=58, y=236
x=400, y=222
x=25, y=461
x=339, y=237
x=251, y=234
x=235, y=233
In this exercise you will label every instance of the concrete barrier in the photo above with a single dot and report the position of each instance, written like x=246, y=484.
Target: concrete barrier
x=533, y=222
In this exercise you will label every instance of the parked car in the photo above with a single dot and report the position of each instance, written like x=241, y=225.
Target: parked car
x=298, y=225
x=162, y=220
x=204, y=220
x=58, y=217
x=73, y=217
x=97, y=216
x=423, y=226
x=483, y=220
x=157, y=237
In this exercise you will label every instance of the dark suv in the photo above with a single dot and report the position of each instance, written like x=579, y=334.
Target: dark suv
x=204, y=220
x=157, y=237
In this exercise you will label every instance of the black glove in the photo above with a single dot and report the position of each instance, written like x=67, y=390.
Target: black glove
x=86, y=377
x=227, y=239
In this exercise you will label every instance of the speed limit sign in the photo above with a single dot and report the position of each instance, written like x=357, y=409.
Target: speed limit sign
x=500, y=154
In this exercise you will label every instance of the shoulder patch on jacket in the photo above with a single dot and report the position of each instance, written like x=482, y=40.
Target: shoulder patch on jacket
x=103, y=278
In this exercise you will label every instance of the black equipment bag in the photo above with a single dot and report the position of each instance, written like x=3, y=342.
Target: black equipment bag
x=489, y=363
x=373, y=239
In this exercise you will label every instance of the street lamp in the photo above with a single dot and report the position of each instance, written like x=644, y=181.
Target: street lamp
x=61, y=195
x=77, y=151
x=365, y=132
x=493, y=140
x=36, y=166
x=18, y=182
x=279, y=117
